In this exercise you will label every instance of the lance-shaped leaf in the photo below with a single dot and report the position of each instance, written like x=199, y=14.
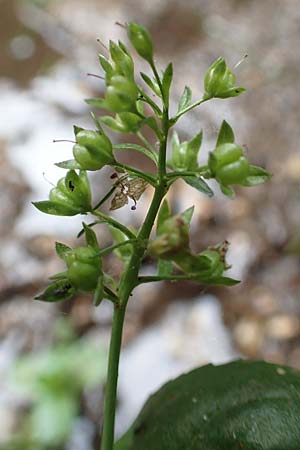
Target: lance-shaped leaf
x=57, y=291
x=99, y=291
x=166, y=81
x=257, y=175
x=199, y=184
x=90, y=236
x=225, y=135
x=185, y=99
x=62, y=250
x=151, y=83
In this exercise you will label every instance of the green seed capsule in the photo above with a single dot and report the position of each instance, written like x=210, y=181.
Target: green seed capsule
x=92, y=151
x=219, y=81
x=228, y=164
x=84, y=268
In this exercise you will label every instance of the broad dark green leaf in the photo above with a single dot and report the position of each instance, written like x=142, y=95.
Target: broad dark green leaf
x=199, y=184
x=185, y=99
x=225, y=135
x=167, y=80
x=257, y=175
x=57, y=291
x=70, y=164
x=242, y=405
x=62, y=250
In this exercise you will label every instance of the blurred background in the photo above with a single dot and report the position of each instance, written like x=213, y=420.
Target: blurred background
x=53, y=357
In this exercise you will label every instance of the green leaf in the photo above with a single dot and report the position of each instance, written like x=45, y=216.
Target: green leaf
x=242, y=405
x=167, y=80
x=62, y=250
x=199, y=184
x=137, y=148
x=185, y=99
x=125, y=251
x=188, y=214
x=163, y=215
x=227, y=190
x=257, y=175
x=70, y=164
x=97, y=103
x=113, y=124
x=151, y=83
x=226, y=135
x=90, y=236
x=99, y=291
x=59, y=276
x=57, y=291
x=55, y=208
x=77, y=129
x=220, y=281
x=164, y=268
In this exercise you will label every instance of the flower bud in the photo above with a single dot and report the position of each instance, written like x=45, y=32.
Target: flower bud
x=121, y=95
x=219, y=81
x=93, y=150
x=122, y=60
x=141, y=41
x=84, y=268
x=228, y=164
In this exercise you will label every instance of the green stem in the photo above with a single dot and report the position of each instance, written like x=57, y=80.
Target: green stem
x=107, y=440
x=174, y=119
x=128, y=282
x=114, y=223
x=145, y=176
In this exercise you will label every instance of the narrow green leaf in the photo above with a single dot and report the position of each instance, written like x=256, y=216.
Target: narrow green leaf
x=164, y=268
x=257, y=175
x=188, y=214
x=57, y=291
x=227, y=190
x=167, y=80
x=90, y=236
x=62, y=250
x=70, y=164
x=199, y=184
x=97, y=123
x=151, y=83
x=185, y=99
x=55, y=208
x=113, y=124
x=59, y=276
x=163, y=215
x=226, y=135
x=99, y=291
x=137, y=148
x=97, y=103
x=77, y=129
x=220, y=281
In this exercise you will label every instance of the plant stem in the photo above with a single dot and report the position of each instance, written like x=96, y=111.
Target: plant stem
x=128, y=282
x=107, y=440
